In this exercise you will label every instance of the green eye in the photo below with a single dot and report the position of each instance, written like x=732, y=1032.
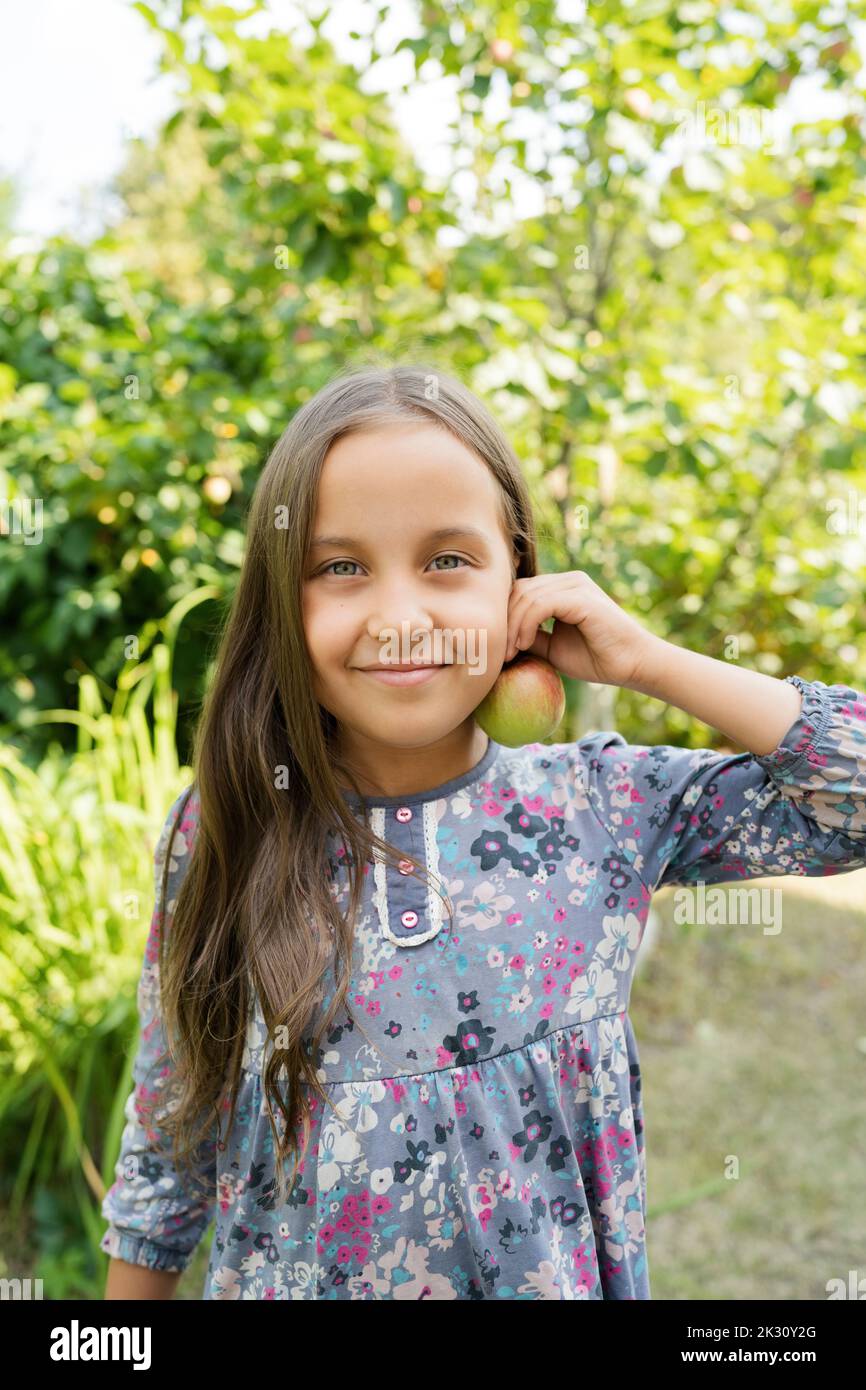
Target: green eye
x=451, y=557
x=330, y=566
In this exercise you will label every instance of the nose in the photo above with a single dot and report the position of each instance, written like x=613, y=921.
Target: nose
x=397, y=606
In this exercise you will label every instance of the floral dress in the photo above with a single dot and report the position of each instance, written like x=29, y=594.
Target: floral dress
x=484, y=1137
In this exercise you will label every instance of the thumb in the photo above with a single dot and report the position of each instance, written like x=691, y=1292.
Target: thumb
x=540, y=644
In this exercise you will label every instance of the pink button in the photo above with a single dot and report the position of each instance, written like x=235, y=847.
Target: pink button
x=406, y=866
x=409, y=918
x=403, y=813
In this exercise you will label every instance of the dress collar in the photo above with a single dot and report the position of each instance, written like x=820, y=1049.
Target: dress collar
x=432, y=793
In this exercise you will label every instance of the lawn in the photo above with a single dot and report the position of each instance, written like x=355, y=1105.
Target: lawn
x=754, y=1046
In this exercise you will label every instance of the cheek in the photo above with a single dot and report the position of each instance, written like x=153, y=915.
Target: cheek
x=488, y=611
x=328, y=628
x=481, y=601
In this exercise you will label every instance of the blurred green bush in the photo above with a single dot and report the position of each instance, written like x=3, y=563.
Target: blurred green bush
x=673, y=335
x=77, y=840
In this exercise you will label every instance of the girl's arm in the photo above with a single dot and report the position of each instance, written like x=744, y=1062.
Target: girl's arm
x=156, y=1217
x=752, y=709
x=134, y=1281
x=795, y=804
x=694, y=815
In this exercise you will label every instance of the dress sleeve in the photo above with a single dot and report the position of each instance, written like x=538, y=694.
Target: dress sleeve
x=687, y=816
x=154, y=1219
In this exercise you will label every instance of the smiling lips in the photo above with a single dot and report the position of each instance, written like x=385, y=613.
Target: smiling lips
x=413, y=673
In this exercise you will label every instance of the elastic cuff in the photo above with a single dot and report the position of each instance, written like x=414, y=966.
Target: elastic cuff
x=138, y=1250
x=804, y=740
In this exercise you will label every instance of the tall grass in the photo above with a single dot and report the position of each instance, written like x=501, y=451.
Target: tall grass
x=77, y=836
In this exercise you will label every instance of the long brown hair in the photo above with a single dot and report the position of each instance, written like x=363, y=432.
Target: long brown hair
x=256, y=908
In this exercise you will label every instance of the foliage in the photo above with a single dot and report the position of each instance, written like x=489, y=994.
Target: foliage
x=672, y=336
x=77, y=839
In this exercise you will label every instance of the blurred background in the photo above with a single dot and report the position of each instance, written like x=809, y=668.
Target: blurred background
x=636, y=230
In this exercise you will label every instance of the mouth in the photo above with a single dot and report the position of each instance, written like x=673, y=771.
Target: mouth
x=411, y=674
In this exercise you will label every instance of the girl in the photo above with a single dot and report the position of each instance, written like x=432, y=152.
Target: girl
x=397, y=952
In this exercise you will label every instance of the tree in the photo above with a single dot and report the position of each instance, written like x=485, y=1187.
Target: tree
x=671, y=332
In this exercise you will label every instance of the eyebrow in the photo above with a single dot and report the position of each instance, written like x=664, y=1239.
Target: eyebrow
x=442, y=533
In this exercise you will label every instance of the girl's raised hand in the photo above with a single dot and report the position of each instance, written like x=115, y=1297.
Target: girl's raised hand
x=593, y=639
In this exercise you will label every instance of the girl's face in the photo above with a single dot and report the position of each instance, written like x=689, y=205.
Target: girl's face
x=382, y=588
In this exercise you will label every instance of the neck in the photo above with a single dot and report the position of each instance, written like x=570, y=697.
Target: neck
x=392, y=770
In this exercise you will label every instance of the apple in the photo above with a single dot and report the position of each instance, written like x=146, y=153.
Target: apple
x=525, y=703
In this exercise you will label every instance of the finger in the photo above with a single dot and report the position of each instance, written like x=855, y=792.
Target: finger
x=517, y=626
x=534, y=612
x=513, y=620
x=523, y=593
x=540, y=645
x=529, y=605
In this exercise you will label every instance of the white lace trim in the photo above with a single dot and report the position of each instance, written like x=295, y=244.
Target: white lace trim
x=380, y=896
